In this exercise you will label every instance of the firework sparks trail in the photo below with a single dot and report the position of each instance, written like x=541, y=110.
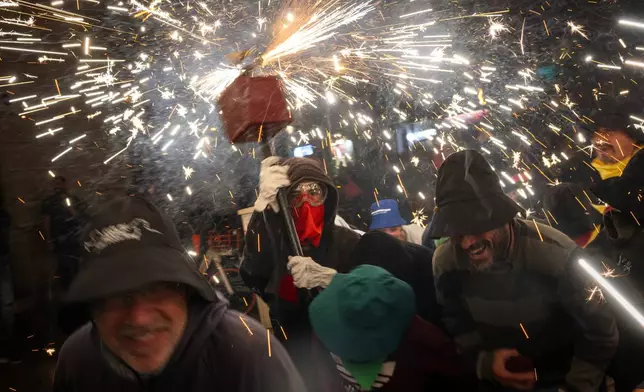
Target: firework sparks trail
x=419, y=218
x=496, y=28
x=321, y=26
x=575, y=28
x=326, y=54
x=606, y=285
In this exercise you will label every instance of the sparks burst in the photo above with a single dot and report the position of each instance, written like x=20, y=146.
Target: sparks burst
x=151, y=71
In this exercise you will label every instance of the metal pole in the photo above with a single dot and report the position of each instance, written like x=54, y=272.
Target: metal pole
x=282, y=201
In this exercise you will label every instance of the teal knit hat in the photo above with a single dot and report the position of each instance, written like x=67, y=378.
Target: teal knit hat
x=363, y=315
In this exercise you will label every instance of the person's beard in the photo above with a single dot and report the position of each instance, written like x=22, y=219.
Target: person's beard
x=498, y=244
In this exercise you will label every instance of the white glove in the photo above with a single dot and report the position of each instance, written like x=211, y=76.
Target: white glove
x=272, y=177
x=308, y=274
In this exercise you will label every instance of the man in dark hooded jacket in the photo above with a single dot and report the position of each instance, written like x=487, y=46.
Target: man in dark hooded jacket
x=514, y=295
x=313, y=199
x=157, y=325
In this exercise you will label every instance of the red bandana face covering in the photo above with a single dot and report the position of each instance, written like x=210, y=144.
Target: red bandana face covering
x=309, y=222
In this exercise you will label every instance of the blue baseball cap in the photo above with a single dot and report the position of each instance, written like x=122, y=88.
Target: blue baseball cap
x=384, y=214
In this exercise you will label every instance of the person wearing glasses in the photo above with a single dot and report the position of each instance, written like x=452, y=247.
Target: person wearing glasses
x=313, y=204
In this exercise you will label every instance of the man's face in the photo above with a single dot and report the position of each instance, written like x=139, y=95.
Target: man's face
x=612, y=145
x=397, y=232
x=485, y=248
x=143, y=328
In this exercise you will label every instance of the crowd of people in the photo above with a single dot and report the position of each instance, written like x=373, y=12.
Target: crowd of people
x=486, y=298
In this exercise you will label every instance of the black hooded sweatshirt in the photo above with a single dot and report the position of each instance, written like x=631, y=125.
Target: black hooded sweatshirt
x=216, y=353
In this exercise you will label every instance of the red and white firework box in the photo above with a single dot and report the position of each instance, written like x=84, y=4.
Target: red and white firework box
x=251, y=103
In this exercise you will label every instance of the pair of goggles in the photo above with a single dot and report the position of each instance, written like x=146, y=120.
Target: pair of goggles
x=313, y=193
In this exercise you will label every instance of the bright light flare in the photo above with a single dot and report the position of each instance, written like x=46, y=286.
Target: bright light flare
x=579, y=29
x=321, y=26
x=606, y=285
x=631, y=23
x=496, y=28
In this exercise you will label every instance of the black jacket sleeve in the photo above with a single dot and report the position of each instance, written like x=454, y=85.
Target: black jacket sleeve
x=261, y=256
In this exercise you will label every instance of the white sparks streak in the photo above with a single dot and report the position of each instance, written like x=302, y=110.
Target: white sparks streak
x=165, y=147
x=49, y=132
x=119, y=9
x=631, y=23
x=101, y=60
x=415, y=13
x=213, y=84
x=154, y=9
x=607, y=66
x=77, y=139
x=507, y=177
x=319, y=28
x=613, y=291
x=31, y=50
x=61, y=154
x=22, y=98
x=634, y=63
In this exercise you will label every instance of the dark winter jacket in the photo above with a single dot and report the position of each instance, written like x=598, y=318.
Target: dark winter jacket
x=216, y=353
x=426, y=360
x=535, y=301
x=406, y=261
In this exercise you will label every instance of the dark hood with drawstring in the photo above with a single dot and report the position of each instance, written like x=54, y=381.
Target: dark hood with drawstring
x=129, y=243
x=216, y=352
